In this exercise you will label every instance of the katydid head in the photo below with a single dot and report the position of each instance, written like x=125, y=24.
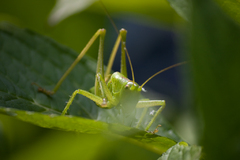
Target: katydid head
x=130, y=95
x=132, y=86
x=126, y=91
x=120, y=83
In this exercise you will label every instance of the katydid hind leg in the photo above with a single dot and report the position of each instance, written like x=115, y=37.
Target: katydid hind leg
x=123, y=69
x=150, y=103
x=112, y=57
x=123, y=66
x=100, y=66
x=81, y=54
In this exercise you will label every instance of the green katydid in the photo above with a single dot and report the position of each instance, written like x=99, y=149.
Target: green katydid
x=113, y=90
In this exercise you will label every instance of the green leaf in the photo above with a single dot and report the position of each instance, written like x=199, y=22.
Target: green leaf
x=67, y=123
x=182, y=152
x=26, y=58
x=149, y=141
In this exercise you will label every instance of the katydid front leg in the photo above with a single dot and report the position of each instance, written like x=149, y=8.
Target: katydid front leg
x=103, y=102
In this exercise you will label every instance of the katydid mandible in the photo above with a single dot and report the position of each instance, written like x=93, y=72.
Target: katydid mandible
x=115, y=89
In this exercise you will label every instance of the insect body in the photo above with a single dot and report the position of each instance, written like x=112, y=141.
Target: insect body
x=114, y=90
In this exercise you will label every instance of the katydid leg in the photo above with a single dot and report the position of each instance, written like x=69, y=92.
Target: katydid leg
x=100, y=66
x=123, y=69
x=104, y=89
x=112, y=57
x=106, y=100
x=150, y=103
x=122, y=38
x=102, y=102
x=82, y=53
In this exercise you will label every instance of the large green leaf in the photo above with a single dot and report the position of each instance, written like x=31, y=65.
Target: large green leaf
x=26, y=58
x=149, y=141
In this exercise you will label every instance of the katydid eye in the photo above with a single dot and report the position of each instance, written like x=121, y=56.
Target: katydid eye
x=127, y=86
